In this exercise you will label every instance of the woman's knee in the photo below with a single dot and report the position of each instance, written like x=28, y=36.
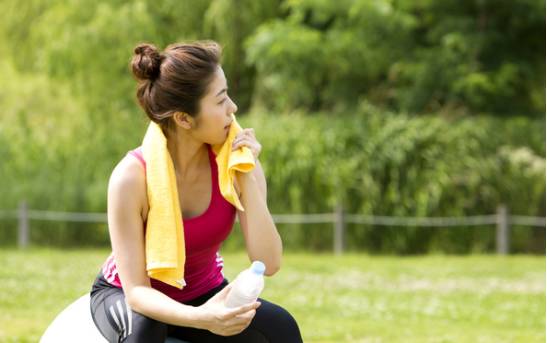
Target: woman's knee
x=288, y=323
x=276, y=323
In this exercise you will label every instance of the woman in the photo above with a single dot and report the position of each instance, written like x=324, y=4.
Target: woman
x=184, y=90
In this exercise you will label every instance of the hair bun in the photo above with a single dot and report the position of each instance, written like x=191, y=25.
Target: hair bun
x=146, y=62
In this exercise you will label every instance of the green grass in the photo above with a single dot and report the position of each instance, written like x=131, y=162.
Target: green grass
x=352, y=298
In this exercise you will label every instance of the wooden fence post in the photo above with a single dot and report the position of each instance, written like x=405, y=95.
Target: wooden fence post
x=502, y=231
x=339, y=230
x=24, y=228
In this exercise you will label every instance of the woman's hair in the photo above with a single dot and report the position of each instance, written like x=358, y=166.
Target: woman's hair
x=175, y=79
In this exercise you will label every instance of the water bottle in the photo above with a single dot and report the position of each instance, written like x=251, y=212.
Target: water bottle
x=247, y=286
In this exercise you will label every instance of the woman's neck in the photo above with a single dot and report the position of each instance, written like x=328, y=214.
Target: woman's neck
x=187, y=153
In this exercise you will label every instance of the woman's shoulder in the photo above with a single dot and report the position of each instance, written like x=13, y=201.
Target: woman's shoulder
x=129, y=170
x=127, y=183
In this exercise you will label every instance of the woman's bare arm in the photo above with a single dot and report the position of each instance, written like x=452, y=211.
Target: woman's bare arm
x=126, y=196
x=126, y=193
x=261, y=237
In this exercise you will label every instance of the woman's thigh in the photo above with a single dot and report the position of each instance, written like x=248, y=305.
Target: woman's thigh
x=271, y=324
x=118, y=323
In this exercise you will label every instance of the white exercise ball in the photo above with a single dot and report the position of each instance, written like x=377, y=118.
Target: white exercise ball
x=74, y=324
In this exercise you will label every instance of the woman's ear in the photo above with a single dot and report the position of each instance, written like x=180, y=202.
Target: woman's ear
x=183, y=120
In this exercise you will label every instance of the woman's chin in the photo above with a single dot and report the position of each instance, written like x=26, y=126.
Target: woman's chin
x=220, y=141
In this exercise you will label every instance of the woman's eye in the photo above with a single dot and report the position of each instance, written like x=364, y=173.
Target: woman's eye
x=223, y=100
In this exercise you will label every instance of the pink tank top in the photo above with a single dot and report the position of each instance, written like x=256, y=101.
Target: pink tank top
x=203, y=237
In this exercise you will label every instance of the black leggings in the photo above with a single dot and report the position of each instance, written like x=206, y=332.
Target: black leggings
x=118, y=323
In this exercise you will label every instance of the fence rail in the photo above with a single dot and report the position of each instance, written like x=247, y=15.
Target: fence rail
x=502, y=220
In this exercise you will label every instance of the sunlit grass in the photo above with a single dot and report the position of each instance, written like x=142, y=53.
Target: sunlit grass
x=351, y=298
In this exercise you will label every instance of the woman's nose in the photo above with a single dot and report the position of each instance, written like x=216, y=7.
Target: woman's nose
x=234, y=106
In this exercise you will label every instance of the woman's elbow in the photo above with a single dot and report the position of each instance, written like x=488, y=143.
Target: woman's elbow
x=272, y=268
x=131, y=298
x=134, y=299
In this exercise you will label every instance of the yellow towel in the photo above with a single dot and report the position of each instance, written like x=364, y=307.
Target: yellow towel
x=229, y=162
x=164, y=241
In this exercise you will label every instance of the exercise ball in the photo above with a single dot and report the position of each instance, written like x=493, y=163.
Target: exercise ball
x=74, y=324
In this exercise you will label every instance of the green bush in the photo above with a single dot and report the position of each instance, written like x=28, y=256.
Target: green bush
x=395, y=165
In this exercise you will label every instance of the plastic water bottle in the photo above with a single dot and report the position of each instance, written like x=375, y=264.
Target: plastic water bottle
x=247, y=286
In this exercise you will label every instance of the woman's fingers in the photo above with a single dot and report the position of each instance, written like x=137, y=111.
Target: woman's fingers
x=242, y=309
x=248, y=131
x=241, y=314
x=233, y=321
x=244, y=139
x=251, y=145
x=248, y=142
x=247, y=316
x=241, y=321
x=245, y=133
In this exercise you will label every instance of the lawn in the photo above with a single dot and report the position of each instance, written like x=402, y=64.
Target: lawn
x=349, y=298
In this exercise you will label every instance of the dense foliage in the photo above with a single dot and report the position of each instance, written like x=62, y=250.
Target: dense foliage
x=320, y=81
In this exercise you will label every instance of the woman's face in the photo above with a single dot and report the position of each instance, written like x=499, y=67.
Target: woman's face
x=214, y=119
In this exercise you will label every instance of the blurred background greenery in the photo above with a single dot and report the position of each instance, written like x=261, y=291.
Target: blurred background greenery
x=387, y=107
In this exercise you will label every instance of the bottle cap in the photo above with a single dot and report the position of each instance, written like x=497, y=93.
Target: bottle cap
x=258, y=267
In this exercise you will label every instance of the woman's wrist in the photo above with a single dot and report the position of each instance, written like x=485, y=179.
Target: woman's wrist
x=201, y=318
x=244, y=179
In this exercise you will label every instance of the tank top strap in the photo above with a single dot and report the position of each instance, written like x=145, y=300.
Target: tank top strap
x=138, y=154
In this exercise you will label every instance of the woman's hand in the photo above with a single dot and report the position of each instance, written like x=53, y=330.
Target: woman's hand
x=225, y=321
x=247, y=138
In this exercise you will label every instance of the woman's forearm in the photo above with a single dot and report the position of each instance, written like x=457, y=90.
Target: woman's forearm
x=263, y=240
x=156, y=305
